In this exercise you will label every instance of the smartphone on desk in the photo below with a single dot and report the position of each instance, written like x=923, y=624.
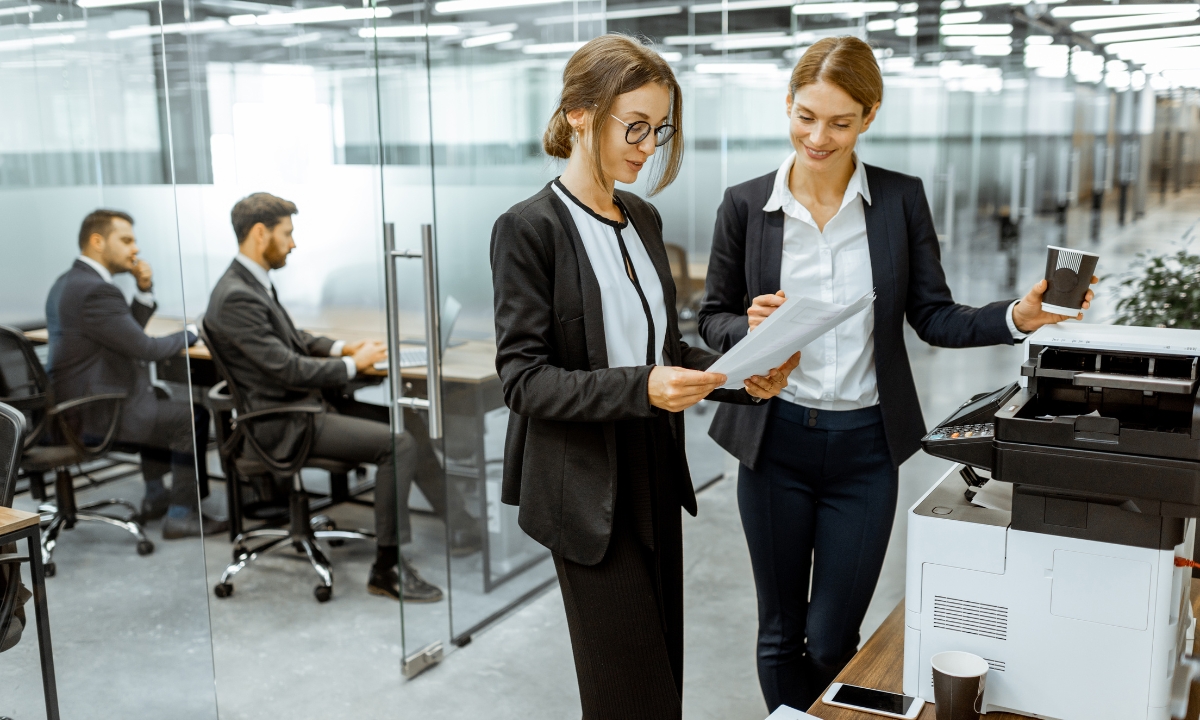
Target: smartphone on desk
x=887, y=704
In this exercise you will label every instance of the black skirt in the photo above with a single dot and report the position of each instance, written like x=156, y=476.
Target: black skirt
x=625, y=614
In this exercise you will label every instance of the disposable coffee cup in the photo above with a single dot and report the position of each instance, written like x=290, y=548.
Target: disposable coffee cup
x=1068, y=274
x=958, y=682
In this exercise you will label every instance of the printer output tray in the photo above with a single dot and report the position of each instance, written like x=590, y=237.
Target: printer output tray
x=1154, y=486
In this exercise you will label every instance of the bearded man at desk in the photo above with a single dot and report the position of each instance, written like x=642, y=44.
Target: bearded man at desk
x=98, y=344
x=275, y=363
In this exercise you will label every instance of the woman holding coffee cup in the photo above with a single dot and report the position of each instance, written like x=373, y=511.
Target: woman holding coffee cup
x=818, y=476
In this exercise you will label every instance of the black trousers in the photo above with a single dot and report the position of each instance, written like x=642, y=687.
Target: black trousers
x=821, y=500
x=358, y=432
x=625, y=614
x=177, y=443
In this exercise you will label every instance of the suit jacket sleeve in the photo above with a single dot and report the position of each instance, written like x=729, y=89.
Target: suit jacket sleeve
x=109, y=322
x=533, y=377
x=142, y=313
x=931, y=309
x=694, y=358
x=317, y=346
x=722, y=317
x=248, y=326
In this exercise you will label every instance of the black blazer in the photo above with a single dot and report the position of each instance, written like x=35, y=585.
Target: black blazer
x=272, y=362
x=560, y=455
x=906, y=267
x=98, y=344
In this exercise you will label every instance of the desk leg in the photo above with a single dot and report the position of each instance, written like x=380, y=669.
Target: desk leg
x=42, y=613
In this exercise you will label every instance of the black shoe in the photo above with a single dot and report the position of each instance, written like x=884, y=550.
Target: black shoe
x=154, y=505
x=387, y=582
x=194, y=525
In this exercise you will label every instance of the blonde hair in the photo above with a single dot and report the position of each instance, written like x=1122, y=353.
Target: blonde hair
x=845, y=61
x=596, y=74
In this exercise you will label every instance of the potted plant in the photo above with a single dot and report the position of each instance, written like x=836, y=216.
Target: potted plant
x=1164, y=291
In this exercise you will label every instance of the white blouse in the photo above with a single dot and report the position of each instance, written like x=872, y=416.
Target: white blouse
x=625, y=317
x=837, y=370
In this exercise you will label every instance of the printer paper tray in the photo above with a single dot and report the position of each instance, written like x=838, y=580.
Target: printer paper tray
x=1155, y=486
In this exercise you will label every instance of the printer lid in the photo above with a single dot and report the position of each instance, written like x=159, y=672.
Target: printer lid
x=1116, y=338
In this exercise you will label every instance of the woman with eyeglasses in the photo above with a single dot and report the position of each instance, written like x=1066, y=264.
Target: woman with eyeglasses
x=597, y=377
x=818, y=477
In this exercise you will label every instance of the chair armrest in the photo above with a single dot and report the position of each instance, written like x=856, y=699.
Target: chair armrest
x=74, y=440
x=80, y=402
x=219, y=398
x=267, y=412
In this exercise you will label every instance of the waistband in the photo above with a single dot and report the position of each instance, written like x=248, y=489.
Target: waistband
x=826, y=419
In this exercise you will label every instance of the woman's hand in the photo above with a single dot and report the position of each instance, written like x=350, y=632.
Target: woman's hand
x=1028, y=315
x=775, y=381
x=675, y=389
x=762, y=308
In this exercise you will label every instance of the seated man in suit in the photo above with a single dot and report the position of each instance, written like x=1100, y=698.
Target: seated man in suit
x=98, y=344
x=274, y=363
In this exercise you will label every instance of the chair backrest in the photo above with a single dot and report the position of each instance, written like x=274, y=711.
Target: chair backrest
x=231, y=390
x=23, y=381
x=12, y=434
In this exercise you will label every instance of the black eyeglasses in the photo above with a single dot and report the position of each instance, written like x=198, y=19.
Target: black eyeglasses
x=636, y=132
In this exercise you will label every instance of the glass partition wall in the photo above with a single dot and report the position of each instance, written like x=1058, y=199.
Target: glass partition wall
x=401, y=131
x=85, y=118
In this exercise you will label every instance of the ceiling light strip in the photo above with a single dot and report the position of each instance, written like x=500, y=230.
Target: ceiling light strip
x=613, y=15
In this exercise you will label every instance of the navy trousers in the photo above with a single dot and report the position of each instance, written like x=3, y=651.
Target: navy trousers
x=821, y=500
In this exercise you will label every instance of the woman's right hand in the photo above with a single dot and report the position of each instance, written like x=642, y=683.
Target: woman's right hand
x=675, y=389
x=763, y=306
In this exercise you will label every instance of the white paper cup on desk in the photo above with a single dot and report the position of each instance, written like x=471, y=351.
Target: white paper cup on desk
x=1068, y=276
x=959, y=679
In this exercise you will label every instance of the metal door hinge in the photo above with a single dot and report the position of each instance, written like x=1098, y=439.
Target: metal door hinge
x=422, y=660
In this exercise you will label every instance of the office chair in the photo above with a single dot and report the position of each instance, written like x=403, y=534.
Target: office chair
x=12, y=435
x=687, y=297
x=53, y=443
x=242, y=456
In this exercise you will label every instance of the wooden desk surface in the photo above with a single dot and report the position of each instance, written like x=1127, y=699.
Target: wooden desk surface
x=880, y=664
x=14, y=520
x=473, y=361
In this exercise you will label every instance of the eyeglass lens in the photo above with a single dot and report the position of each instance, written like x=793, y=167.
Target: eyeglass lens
x=637, y=132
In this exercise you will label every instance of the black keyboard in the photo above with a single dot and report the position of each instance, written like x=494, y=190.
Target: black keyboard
x=963, y=432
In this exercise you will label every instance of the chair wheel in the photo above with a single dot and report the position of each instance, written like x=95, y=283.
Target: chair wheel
x=323, y=593
x=223, y=590
x=145, y=547
x=49, y=569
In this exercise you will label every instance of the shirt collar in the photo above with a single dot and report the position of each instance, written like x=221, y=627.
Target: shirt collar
x=105, y=275
x=258, y=271
x=781, y=196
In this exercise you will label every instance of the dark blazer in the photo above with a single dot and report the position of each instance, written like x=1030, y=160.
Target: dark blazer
x=98, y=345
x=560, y=455
x=906, y=266
x=271, y=361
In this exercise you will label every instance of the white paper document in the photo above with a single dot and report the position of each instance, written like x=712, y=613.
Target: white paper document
x=783, y=712
x=793, y=325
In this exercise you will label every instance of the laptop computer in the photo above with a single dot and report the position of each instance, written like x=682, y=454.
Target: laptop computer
x=418, y=355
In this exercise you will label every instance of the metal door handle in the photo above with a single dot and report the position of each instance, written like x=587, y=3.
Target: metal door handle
x=433, y=324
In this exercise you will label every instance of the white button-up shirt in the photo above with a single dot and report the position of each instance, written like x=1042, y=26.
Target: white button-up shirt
x=837, y=370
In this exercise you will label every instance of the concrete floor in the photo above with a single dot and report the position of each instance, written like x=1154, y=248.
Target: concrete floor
x=132, y=634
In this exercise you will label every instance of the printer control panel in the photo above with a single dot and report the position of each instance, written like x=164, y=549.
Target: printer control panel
x=962, y=432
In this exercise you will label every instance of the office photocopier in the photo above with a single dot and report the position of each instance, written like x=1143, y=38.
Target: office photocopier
x=1049, y=549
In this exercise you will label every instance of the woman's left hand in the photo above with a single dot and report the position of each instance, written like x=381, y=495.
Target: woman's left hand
x=1029, y=316
x=775, y=381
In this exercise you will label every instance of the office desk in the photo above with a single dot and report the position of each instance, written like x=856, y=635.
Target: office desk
x=473, y=361
x=880, y=664
x=16, y=525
